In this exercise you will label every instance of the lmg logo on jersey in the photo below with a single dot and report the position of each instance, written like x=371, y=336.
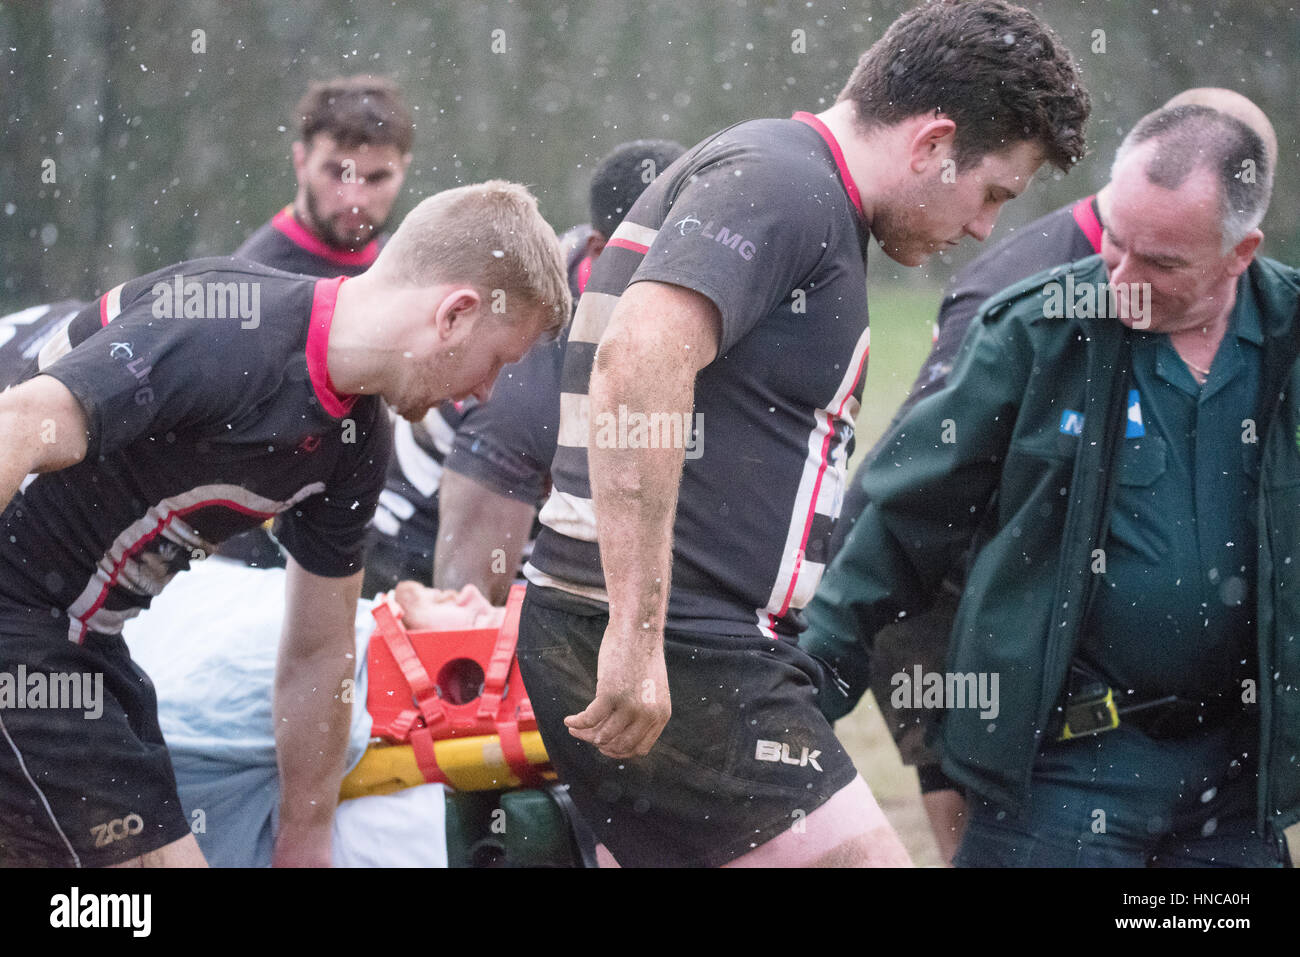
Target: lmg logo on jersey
x=779, y=751
x=735, y=241
x=688, y=224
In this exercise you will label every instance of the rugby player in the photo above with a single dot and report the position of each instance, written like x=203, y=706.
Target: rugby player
x=191, y=404
x=350, y=159
x=710, y=388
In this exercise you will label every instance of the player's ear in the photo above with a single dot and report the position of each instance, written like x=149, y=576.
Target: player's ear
x=1244, y=252
x=930, y=143
x=299, y=159
x=456, y=311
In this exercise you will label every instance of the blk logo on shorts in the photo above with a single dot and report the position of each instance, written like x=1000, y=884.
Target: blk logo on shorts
x=779, y=751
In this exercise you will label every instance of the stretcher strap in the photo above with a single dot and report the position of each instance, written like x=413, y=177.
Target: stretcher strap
x=512, y=749
x=527, y=720
x=425, y=757
x=423, y=691
x=503, y=655
x=400, y=727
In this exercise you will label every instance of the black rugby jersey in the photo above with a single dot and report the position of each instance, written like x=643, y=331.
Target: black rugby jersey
x=763, y=219
x=210, y=409
x=287, y=244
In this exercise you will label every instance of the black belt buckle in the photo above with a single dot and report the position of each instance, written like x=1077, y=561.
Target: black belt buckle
x=1090, y=710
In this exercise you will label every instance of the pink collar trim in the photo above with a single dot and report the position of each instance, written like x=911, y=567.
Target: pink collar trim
x=1086, y=217
x=318, y=340
x=850, y=187
x=298, y=234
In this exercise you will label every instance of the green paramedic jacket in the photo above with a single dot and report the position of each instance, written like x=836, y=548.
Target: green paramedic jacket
x=985, y=462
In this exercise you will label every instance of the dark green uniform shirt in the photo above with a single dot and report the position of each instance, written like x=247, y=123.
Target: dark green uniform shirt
x=1175, y=610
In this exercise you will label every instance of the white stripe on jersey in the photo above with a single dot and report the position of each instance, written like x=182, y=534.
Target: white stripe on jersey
x=643, y=235
x=113, y=307
x=575, y=420
x=385, y=521
x=595, y=308
x=56, y=347
x=797, y=579
x=592, y=316
x=162, y=519
x=393, y=503
x=570, y=515
x=543, y=580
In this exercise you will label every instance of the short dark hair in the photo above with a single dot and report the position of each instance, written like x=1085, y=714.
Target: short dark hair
x=356, y=110
x=994, y=69
x=622, y=175
x=1188, y=138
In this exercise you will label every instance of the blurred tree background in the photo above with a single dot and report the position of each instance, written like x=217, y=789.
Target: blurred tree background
x=162, y=152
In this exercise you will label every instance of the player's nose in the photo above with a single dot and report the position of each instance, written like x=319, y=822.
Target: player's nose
x=981, y=228
x=352, y=191
x=1119, y=268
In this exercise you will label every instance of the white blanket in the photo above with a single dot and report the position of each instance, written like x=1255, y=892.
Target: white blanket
x=209, y=643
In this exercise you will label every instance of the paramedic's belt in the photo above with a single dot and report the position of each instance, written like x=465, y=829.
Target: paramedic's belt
x=1092, y=707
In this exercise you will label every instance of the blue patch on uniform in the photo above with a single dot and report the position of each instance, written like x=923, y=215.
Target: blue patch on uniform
x=1134, y=429
x=1072, y=422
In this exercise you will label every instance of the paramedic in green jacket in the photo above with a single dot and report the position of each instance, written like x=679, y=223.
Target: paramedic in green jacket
x=1118, y=441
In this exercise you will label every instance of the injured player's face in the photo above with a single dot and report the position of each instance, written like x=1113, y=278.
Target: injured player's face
x=436, y=609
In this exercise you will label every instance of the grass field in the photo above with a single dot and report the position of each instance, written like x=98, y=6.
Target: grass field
x=902, y=323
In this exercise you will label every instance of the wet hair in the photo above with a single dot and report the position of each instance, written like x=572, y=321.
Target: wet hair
x=356, y=110
x=994, y=69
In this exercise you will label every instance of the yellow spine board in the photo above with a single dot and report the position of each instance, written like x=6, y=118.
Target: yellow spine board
x=469, y=764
